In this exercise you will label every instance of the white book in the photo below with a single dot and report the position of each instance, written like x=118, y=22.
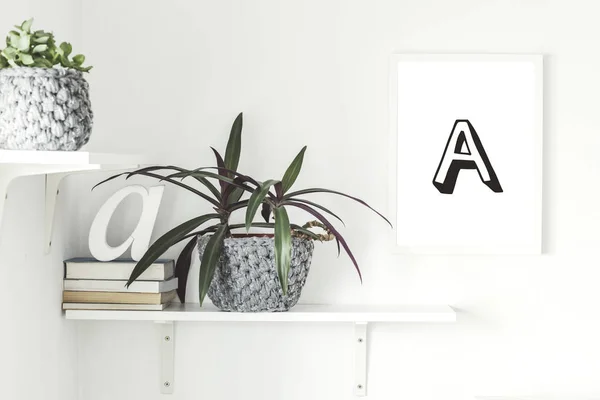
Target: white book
x=87, y=285
x=89, y=268
x=101, y=306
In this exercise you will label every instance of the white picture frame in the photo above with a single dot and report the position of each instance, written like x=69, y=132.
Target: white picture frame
x=416, y=230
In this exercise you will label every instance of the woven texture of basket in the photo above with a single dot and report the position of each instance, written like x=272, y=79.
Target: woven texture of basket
x=44, y=109
x=246, y=279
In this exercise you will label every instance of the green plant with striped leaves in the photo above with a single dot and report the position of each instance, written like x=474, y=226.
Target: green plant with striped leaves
x=228, y=190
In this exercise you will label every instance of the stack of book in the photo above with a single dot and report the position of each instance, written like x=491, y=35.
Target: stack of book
x=94, y=285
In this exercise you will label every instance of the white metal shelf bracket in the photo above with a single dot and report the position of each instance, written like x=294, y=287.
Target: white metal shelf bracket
x=52, y=191
x=167, y=357
x=360, y=358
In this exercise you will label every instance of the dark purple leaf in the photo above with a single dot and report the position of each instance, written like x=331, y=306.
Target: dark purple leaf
x=310, y=203
x=331, y=228
x=279, y=190
x=319, y=190
x=182, y=185
x=266, y=212
x=221, y=168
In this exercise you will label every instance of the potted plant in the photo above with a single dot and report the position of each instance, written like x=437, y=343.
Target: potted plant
x=44, y=99
x=245, y=272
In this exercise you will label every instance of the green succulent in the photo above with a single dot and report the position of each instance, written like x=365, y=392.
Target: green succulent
x=25, y=48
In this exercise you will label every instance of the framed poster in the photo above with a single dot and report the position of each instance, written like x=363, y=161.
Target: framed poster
x=467, y=153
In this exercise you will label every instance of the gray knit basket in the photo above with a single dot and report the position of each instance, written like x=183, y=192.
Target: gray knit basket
x=246, y=279
x=44, y=109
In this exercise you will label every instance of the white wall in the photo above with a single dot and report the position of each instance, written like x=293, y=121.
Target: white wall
x=170, y=77
x=37, y=351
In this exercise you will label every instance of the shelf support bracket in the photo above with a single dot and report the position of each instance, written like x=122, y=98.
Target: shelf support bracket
x=167, y=357
x=360, y=359
x=52, y=191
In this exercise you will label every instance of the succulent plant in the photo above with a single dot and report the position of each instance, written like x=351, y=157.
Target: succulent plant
x=25, y=48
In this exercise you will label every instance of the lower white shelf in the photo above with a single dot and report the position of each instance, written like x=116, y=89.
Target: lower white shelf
x=359, y=315
x=300, y=313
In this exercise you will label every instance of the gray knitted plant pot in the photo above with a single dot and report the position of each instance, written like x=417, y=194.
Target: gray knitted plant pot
x=44, y=109
x=246, y=279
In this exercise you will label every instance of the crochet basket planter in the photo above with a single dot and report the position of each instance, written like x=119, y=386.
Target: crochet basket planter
x=246, y=279
x=44, y=109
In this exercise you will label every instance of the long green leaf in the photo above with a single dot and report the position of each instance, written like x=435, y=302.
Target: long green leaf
x=293, y=170
x=319, y=190
x=256, y=200
x=167, y=240
x=182, y=267
x=234, y=144
x=210, y=259
x=234, y=195
x=283, y=246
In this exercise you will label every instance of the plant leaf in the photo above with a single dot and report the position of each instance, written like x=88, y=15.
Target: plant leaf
x=339, y=237
x=224, y=172
x=293, y=170
x=14, y=39
x=182, y=267
x=39, y=48
x=109, y=179
x=41, y=63
x=278, y=190
x=79, y=59
x=221, y=178
x=319, y=190
x=23, y=43
x=210, y=259
x=41, y=39
x=316, y=206
x=26, y=59
x=26, y=25
x=66, y=49
x=256, y=199
x=266, y=212
x=237, y=206
x=167, y=240
x=234, y=144
x=200, y=179
x=182, y=185
x=221, y=169
x=283, y=246
x=233, y=194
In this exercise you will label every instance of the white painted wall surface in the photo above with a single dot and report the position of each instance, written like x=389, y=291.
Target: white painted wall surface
x=169, y=78
x=37, y=346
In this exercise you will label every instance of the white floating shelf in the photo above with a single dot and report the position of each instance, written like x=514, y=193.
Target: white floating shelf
x=359, y=315
x=299, y=313
x=55, y=165
x=77, y=159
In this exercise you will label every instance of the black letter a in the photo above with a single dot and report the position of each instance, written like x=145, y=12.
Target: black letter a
x=464, y=151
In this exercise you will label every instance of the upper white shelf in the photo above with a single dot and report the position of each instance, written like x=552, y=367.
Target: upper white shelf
x=82, y=158
x=300, y=313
